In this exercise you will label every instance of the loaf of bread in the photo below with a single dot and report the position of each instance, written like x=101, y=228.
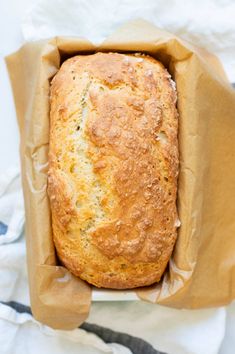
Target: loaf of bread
x=113, y=166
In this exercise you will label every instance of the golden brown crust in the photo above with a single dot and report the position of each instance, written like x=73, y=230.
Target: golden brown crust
x=113, y=166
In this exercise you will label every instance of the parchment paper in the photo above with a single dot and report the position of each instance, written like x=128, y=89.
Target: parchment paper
x=201, y=271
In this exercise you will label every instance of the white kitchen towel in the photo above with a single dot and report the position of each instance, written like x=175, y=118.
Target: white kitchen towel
x=21, y=334
x=207, y=23
x=11, y=206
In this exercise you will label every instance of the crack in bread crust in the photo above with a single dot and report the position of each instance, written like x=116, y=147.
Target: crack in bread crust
x=113, y=167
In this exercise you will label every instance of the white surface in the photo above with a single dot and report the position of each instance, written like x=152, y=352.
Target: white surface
x=175, y=331
x=113, y=295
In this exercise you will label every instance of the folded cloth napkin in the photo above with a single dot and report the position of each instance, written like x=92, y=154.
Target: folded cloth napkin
x=112, y=327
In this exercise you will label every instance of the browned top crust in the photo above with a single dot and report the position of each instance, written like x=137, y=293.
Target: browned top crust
x=113, y=166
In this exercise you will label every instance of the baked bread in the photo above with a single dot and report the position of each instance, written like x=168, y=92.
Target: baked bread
x=113, y=166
